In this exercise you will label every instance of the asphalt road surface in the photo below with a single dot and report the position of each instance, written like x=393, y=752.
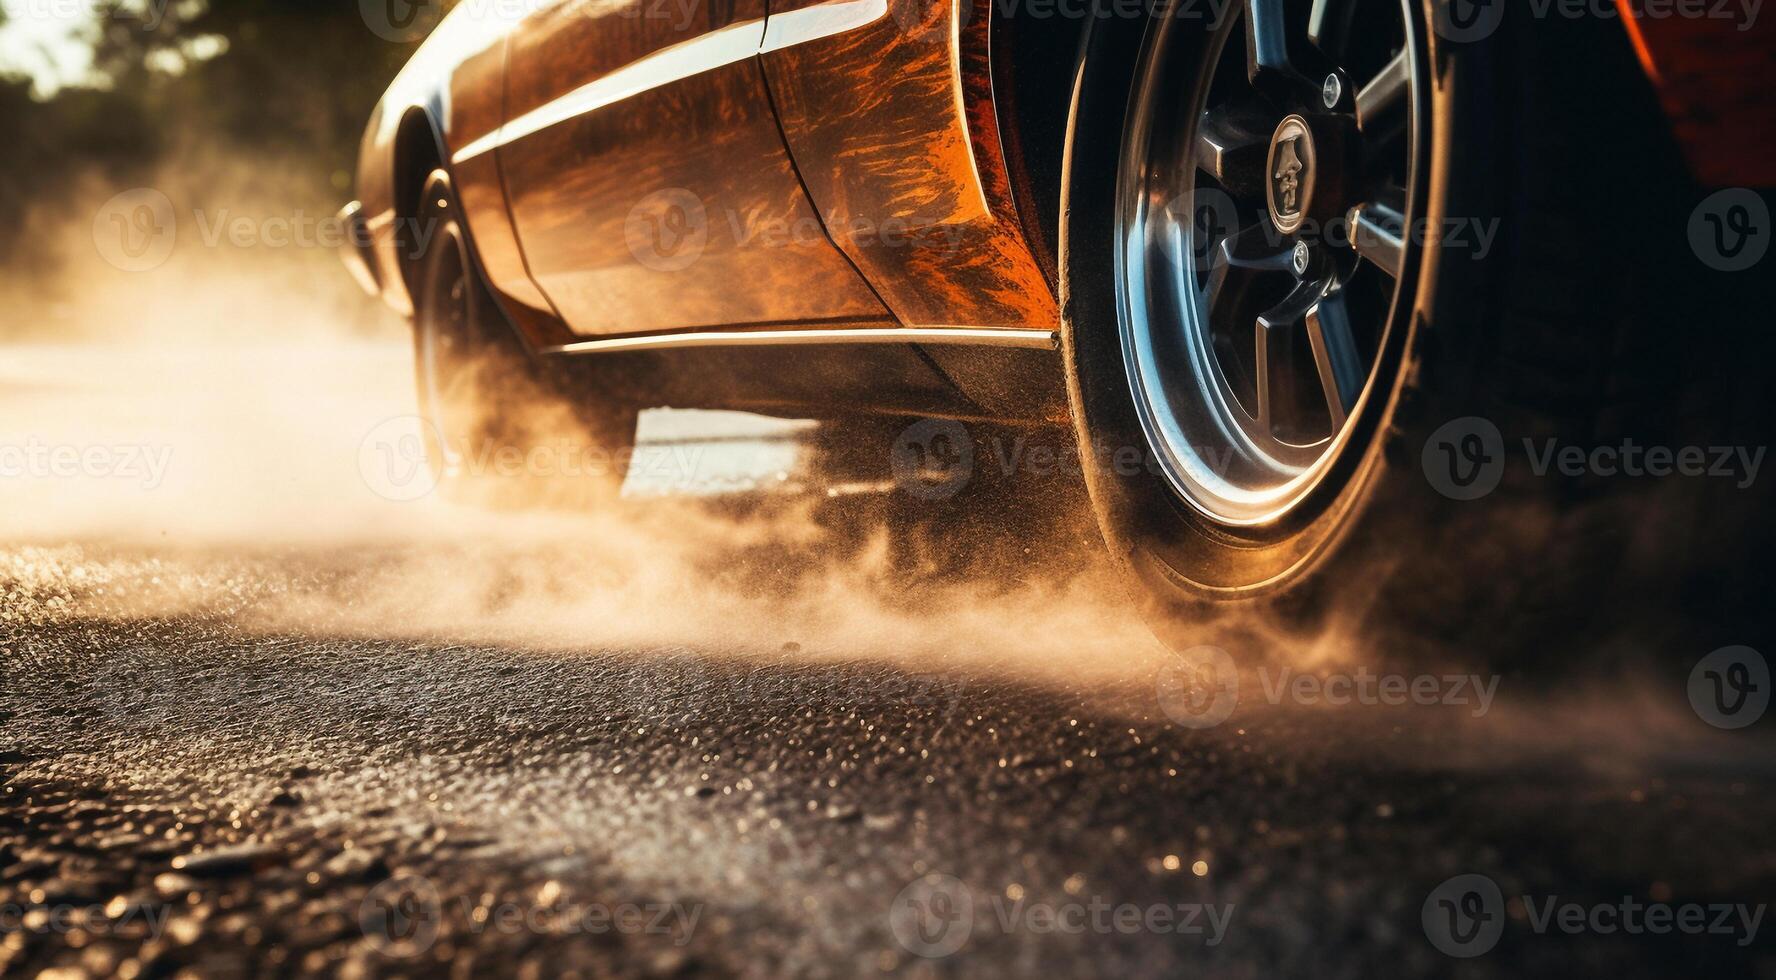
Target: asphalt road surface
x=188, y=793
x=301, y=737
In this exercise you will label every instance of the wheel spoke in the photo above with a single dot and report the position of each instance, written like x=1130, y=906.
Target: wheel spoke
x=1320, y=22
x=1237, y=265
x=1276, y=58
x=1325, y=24
x=1278, y=335
x=1377, y=232
x=1384, y=95
x=1335, y=356
x=1231, y=143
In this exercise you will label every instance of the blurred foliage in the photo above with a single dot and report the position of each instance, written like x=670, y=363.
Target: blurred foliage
x=286, y=80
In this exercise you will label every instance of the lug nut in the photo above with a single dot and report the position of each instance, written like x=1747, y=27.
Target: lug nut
x=1333, y=90
x=1298, y=259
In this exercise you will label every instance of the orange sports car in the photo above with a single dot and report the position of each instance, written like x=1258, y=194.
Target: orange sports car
x=1300, y=275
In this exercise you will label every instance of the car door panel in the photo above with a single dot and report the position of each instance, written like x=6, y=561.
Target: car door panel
x=648, y=181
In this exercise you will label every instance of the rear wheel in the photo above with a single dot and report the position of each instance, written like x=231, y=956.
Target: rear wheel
x=1294, y=254
x=503, y=426
x=1259, y=333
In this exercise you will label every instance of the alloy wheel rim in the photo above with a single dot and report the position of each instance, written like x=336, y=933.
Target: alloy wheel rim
x=1262, y=251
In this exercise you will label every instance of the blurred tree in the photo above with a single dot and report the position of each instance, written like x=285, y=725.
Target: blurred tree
x=291, y=81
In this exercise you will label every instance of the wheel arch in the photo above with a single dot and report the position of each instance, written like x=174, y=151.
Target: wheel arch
x=1032, y=102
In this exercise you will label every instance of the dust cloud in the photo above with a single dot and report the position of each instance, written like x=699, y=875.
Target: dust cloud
x=232, y=433
x=231, y=437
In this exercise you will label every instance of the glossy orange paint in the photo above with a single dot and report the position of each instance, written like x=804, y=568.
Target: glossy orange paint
x=851, y=177
x=1717, y=81
x=893, y=127
x=676, y=207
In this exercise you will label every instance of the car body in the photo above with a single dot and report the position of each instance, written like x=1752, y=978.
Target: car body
x=854, y=173
x=904, y=207
x=858, y=200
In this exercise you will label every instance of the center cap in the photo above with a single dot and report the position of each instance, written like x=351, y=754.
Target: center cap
x=1289, y=173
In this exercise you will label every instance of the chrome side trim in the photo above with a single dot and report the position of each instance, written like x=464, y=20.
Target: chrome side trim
x=719, y=48
x=975, y=336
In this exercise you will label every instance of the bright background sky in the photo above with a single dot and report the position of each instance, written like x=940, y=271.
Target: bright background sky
x=41, y=39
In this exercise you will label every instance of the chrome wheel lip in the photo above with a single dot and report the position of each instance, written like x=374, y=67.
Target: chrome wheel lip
x=1177, y=440
x=440, y=303
x=447, y=319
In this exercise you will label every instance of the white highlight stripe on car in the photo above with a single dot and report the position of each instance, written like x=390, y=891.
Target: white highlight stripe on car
x=717, y=49
x=1035, y=339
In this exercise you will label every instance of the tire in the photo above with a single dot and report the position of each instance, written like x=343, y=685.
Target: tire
x=1561, y=330
x=504, y=428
